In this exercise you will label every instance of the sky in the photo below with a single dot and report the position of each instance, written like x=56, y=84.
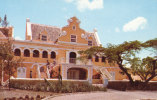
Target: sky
x=115, y=20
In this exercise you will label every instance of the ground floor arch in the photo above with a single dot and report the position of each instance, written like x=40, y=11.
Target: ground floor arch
x=21, y=72
x=77, y=73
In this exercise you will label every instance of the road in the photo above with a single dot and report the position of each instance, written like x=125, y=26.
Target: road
x=109, y=95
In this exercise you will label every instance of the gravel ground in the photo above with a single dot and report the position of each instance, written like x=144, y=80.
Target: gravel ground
x=5, y=93
x=109, y=95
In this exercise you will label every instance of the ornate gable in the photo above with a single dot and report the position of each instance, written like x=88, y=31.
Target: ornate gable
x=73, y=34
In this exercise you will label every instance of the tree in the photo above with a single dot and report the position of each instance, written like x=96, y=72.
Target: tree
x=118, y=54
x=8, y=61
x=145, y=68
x=4, y=23
x=151, y=44
x=87, y=54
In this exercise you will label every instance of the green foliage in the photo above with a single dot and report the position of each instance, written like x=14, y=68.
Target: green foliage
x=116, y=54
x=151, y=43
x=144, y=68
x=7, y=57
x=93, y=51
x=138, y=85
x=124, y=54
x=8, y=61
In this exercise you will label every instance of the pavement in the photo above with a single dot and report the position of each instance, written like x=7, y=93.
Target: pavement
x=109, y=95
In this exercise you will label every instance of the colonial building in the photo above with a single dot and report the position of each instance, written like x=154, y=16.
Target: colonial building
x=48, y=50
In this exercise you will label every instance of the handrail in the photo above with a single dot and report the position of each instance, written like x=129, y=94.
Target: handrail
x=104, y=72
x=5, y=83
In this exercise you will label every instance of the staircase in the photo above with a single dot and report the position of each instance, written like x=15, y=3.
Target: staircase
x=6, y=83
x=104, y=73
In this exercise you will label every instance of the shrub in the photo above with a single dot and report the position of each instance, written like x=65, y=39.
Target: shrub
x=138, y=85
x=67, y=86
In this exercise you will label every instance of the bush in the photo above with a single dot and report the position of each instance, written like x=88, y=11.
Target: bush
x=125, y=85
x=67, y=86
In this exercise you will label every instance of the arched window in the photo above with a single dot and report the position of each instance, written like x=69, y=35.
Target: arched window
x=35, y=53
x=26, y=53
x=103, y=59
x=17, y=52
x=53, y=55
x=45, y=54
x=96, y=58
x=21, y=72
x=72, y=57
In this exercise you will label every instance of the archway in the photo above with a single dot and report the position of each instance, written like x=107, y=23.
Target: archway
x=35, y=53
x=17, y=52
x=26, y=53
x=72, y=57
x=44, y=54
x=77, y=73
x=21, y=72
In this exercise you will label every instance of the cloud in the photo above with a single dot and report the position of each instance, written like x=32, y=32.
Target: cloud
x=135, y=24
x=87, y=4
x=18, y=38
x=69, y=1
x=117, y=29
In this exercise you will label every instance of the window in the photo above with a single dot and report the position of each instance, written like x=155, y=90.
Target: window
x=96, y=58
x=73, y=38
x=53, y=55
x=90, y=43
x=17, y=52
x=26, y=53
x=72, y=57
x=35, y=53
x=74, y=27
x=44, y=38
x=103, y=59
x=45, y=54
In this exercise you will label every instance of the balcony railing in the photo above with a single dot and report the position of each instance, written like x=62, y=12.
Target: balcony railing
x=72, y=60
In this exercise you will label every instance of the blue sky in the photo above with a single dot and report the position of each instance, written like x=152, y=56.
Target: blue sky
x=116, y=20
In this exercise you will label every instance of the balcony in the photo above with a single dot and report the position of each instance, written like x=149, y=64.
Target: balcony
x=72, y=60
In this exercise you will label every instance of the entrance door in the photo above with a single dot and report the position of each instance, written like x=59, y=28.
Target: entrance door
x=77, y=73
x=73, y=74
x=21, y=72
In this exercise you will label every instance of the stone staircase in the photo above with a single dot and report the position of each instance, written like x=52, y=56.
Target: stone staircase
x=6, y=83
x=104, y=72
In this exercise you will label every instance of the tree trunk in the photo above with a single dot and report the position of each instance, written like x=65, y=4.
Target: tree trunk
x=150, y=78
x=124, y=70
x=153, y=73
x=9, y=80
x=2, y=74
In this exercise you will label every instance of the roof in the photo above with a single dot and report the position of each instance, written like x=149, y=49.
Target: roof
x=4, y=32
x=2, y=35
x=34, y=30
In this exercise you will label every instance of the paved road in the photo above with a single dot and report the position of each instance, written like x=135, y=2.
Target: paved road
x=109, y=95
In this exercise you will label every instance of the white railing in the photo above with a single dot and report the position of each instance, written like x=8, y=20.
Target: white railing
x=72, y=60
x=104, y=72
x=6, y=83
x=48, y=73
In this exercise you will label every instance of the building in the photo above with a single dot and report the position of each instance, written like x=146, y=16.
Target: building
x=48, y=50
